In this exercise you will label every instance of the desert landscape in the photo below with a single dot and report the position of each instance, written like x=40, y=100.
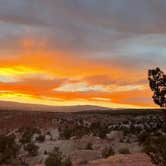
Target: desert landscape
x=82, y=82
x=82, y=138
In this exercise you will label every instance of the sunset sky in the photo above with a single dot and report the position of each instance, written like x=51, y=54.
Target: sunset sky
x=81, y=52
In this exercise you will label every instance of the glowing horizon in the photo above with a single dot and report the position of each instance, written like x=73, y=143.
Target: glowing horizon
x=49, y=83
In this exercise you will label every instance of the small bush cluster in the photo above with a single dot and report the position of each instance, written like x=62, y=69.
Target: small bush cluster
x=77, y=131
x=28, y=134
x=8, y=149
x=32, y=149
x=56, y=158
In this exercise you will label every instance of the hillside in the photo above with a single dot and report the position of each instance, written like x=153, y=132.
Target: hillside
x=7, y=105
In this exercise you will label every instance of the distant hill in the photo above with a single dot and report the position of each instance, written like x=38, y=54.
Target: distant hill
x=7, y=105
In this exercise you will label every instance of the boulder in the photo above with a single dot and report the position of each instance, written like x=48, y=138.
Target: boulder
x=55, y=134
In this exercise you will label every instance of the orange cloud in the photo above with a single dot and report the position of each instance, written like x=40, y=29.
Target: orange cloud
x=44, y=76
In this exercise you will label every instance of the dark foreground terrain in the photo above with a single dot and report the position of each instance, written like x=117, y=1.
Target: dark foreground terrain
x=112, y=137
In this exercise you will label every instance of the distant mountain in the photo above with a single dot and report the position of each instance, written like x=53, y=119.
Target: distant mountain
x=7, y=105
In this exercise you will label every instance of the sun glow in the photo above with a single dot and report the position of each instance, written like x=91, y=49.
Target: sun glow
x=25, y=98
x=17, y=71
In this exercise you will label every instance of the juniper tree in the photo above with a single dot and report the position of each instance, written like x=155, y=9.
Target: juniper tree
x=157, y=83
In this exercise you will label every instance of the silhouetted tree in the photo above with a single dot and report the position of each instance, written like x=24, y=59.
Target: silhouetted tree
x=157, y=83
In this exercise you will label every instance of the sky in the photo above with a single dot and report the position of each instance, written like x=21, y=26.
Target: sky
x=81, y=52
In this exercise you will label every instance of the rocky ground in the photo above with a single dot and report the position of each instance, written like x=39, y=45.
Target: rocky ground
x=139, y=159
x=88, y=139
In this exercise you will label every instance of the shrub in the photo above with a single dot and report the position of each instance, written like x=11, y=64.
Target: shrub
x=26, y=138
x=32, y=149
x=99, y=130
x=156, y=148
x=89, y=146
x=67, y=162
x=45, y=152
x=124, y=151
x=108, y=152
x=102, y=133
x=143, y=137
x=52, y=161
x=67, y=133
x=8, y=149
x=56, y=158
x=28, y=134
x=40, y=138
x=80, y=131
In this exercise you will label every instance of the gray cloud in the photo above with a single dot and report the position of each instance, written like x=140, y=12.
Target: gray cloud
x=121, y=31
x=122, y=15
x=126, y=16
